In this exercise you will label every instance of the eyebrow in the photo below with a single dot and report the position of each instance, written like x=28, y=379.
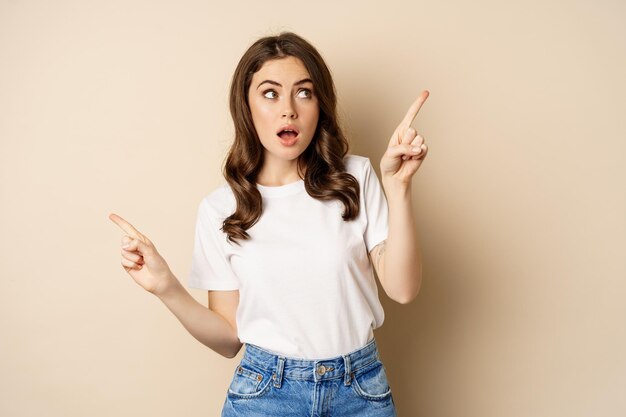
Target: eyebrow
x=306, y=80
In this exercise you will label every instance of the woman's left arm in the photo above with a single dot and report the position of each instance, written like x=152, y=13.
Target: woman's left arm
x=398, y=260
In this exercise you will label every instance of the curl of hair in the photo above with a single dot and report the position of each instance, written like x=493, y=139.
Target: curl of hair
x=325, y=177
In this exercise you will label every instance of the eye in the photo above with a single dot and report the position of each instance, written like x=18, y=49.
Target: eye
x=266, y=92
x=308, y=92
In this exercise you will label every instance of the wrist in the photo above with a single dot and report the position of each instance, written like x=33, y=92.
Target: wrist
x=169, y=288
x=394, y=188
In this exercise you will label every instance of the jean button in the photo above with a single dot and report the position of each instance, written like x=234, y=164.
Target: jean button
x=321, y=370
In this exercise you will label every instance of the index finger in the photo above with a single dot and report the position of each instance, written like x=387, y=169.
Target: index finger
x=413, y=110
x=125, y=226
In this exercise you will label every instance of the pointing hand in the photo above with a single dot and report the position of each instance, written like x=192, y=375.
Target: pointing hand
x=141, y=259
x=406, y=149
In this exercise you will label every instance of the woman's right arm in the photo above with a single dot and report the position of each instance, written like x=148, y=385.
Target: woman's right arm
x=148, y=268
x=207, y=326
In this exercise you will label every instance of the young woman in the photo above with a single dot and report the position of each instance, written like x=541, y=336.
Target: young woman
x=287, y=247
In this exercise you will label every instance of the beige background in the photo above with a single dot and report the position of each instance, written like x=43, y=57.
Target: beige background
x=121, y=106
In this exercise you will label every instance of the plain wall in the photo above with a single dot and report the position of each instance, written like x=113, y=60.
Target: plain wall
x=121, y=106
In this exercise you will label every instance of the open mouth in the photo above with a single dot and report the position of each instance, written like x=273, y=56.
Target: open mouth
x=288, y=132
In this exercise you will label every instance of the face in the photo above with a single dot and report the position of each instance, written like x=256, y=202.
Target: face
x=281, y=96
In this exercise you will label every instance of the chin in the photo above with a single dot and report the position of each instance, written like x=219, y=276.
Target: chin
x=285, y=152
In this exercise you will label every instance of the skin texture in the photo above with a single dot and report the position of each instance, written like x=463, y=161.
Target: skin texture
x=274, y=106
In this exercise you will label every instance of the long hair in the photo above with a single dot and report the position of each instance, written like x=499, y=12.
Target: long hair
x=325, y=177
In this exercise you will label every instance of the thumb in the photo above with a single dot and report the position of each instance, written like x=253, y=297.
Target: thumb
x=402, y=149
x=137, y=245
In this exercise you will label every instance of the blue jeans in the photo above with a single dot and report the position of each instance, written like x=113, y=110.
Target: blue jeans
x=265, y=384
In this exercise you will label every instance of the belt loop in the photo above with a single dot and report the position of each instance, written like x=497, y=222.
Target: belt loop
x=347, y=377
x=278, y=375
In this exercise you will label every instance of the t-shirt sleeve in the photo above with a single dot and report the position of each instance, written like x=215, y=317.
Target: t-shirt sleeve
x=210, y=268
x=376, y=209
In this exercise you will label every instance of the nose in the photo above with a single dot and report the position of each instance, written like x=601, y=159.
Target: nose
x=289, y=110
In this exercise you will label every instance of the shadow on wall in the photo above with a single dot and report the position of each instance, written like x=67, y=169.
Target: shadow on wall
x=419, y=341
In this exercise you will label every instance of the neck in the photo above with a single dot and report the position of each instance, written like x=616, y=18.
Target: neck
x=276, y=173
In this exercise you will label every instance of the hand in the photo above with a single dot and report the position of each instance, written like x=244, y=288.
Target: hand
x=141, y=259
x=400, y=161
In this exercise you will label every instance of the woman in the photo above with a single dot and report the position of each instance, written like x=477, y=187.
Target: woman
x=287, y=248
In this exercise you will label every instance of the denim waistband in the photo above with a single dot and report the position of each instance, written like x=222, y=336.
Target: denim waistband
x=342, y=366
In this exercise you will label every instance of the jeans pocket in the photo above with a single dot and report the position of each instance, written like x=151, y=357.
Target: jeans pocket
x=249, y=381
x=371, y=383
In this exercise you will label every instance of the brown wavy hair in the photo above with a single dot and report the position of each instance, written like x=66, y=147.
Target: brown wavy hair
x=325, y=177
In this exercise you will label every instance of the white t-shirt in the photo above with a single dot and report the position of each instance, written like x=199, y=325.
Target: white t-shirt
x=306, y=285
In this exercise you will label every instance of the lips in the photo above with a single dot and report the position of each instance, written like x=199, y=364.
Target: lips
x=288, y=131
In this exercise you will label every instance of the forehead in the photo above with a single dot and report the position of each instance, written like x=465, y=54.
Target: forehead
x=283, y=69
